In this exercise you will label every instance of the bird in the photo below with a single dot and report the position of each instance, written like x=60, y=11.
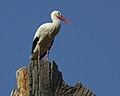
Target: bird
x=45, y=35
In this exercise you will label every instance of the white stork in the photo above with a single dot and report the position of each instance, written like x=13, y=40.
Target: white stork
x=45, y=35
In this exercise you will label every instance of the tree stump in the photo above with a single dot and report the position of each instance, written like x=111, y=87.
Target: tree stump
x=44, y=79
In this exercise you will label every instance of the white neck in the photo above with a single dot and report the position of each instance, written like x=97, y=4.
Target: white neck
x=56, y=24
x=55, y=19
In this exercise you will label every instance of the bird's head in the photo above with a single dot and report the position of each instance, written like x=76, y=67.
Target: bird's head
x=57, y=14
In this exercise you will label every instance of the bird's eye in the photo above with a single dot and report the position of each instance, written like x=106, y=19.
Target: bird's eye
x=58, y=13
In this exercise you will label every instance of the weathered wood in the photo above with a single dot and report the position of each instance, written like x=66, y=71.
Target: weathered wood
x=23, y=81
x=44, y=79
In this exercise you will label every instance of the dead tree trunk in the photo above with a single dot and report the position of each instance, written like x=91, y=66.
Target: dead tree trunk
x=44, y=79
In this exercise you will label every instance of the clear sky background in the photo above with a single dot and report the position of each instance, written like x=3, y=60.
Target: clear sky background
x=86, y=52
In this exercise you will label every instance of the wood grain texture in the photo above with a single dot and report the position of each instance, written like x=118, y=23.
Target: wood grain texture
x=44, y=79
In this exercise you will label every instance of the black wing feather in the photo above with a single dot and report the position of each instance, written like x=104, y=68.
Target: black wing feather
x=51, y=45
x=34, y=44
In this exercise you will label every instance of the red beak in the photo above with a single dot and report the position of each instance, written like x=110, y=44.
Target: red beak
x=65, y=20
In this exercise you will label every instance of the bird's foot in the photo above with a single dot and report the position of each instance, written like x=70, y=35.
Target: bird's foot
x=47, y=55
x=38, y=59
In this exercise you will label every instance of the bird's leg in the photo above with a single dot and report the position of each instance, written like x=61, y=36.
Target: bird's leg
x=47, y=54
x=38, y=53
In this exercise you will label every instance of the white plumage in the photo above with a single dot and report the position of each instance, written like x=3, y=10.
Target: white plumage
x=45, y=36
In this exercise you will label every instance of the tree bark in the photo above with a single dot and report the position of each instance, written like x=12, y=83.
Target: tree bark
x=44, y=79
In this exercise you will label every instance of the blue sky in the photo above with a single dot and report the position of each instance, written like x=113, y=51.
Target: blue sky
x=86, y=52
